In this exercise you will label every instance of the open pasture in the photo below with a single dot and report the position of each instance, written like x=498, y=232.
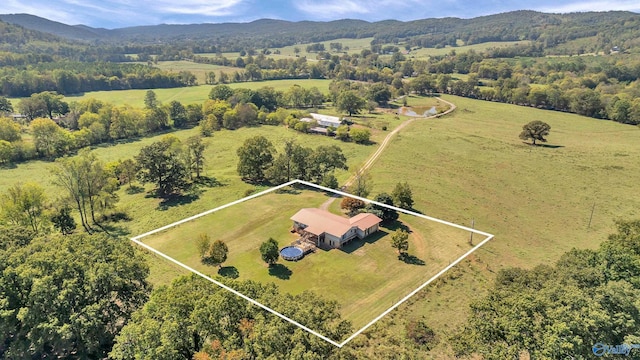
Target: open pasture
x=538, y=201
x=193, y=94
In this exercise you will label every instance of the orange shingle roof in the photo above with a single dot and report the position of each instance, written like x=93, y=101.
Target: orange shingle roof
x=320, y=221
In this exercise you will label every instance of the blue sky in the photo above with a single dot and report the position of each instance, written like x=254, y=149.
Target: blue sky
x=122, y=13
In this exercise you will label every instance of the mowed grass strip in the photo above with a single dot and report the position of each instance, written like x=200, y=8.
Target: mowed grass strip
x=366, y=277
x=191, y=94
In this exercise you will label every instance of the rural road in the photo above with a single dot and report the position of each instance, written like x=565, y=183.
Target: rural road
x=372, y=159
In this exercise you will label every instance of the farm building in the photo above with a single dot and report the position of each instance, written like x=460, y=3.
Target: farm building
x=324, y=120
x=330, y=230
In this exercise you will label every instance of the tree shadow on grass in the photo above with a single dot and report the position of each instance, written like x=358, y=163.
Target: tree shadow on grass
x=9, y=165
x=230, y=272
x=288, y=190
x=177, y=200
x=208, y=181
x=115, y=230
x=134, y=190
x=550, y=146
x=411, y=259
x=396, y=225
x=546, y=146
x=280, y=271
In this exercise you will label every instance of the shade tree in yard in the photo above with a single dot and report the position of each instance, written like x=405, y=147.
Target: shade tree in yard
x=269, y=251
x=400, y=241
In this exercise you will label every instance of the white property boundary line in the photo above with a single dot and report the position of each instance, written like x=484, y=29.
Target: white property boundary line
x=136, y=239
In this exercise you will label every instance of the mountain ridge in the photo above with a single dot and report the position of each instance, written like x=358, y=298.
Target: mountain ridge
x=269, y=33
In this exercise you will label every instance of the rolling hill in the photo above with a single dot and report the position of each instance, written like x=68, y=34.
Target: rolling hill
x=622, y=28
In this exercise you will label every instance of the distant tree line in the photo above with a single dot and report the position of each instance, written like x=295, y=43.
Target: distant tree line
x=59, y=128
x=77, y=77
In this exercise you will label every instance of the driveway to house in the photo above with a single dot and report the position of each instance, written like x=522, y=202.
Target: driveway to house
x=372, y=159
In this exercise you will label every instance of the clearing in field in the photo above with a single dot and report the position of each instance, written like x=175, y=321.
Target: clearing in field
x=365, y=276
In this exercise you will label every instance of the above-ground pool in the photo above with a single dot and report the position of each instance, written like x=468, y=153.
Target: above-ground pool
x=291, y=253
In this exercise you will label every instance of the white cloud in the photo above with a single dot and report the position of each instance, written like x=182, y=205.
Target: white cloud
x=36, y=8
x=196, y=7
x=339, y=8
x=578, y=6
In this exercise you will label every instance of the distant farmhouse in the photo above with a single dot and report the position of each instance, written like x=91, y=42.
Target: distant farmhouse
x=323, y=121
x=330, y=230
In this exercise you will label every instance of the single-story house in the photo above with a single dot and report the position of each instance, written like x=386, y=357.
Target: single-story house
x=331, y=230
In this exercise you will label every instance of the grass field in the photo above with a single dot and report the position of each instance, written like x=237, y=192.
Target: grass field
x=199, y=70
x=192, y=94
x=428, y=52
x=355, y=46
x=365, y=278
x=536, y=200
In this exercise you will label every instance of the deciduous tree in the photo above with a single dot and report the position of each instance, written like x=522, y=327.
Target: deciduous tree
x=536, y=131
x=190, y=319
x=24, y=205
x=255, y=156
x=68, y=296
x=9, y=130
x=178, y=114
x=360, y=135
x=350, y=102
x=218, y=252
x=352, y=206
x=151, y=100
x=5, y=105
x=50, y=139
x=269, y=251
x=361, y=184
x=87, y=184
x=402, y=195
x=400, y=241
x=63, y=221
x=196, y=147
x=383, y=212
x=160, y=163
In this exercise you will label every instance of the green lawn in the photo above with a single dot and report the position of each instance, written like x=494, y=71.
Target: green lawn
x=366, y=277
x=192, y=94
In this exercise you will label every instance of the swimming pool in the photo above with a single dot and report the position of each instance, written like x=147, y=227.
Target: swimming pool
x=291, y=253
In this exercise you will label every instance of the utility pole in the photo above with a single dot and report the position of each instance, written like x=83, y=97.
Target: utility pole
x=593, y=208
x=473, y=224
